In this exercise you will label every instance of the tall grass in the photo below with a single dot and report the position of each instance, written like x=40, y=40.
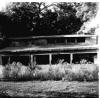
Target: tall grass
x=60, y=71
x=17, y=71
x=82, y=72
x=70, y=72
x=51, y=74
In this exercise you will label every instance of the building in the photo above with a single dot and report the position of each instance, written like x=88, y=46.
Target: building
x=43, y=50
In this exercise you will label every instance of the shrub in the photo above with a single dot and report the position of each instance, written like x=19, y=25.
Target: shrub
x=55, y=72
x=11, y=71
x=17, y=71
x=24, y=73
x=85, y=72
x=65, y=71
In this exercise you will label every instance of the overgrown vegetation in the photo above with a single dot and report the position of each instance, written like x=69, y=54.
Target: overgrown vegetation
x=60, y=71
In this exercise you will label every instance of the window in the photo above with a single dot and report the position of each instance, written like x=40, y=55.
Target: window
x=41, y=42
x=80, y=39
x=56, y=40
x=60, y=40
x=71, y=40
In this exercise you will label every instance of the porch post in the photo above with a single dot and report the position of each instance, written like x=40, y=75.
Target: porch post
x=0, y=60
x=34, y=60
x=9, y=61
x=50, y=58
x=97, y=39
x=32, y=64
x=75, y=40
x=71, y=58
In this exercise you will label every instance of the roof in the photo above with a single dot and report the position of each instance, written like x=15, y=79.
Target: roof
x=53, y=48
x=52, y=36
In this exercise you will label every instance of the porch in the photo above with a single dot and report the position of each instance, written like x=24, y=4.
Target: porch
x=49, y=58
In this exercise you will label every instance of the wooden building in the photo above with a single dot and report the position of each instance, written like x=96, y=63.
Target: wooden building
x=43, y=50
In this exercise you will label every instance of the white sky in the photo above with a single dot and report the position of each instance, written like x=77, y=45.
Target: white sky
x=3, y=4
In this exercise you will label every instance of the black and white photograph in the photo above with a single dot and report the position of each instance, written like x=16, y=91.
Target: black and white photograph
x=49, y=49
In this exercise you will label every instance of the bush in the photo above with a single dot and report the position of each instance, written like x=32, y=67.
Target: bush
x=17, y=71
x=82, y=72
x=11, y=71
x=55, y=72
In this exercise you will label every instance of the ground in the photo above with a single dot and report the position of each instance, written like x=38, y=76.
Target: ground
x=48, y=89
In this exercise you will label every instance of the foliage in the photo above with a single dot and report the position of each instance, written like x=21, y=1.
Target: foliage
x=54, y=73
x=61, y=71
x=65, y=71
x=82, y=72
x=17, y=71
x=39, y=18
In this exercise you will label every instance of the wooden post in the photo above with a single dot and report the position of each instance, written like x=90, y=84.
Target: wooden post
x=50, y=58
x=71, y=58
x=97, y=39
x=34, y=60
x=0, y=60
x=32, y=64
x=9, y=61
x=75, y=41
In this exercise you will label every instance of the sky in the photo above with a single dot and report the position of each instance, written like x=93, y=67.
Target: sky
x=3, y=4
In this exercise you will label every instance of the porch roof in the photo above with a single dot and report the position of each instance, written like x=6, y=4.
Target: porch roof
x=52, y=36
x=50, y=48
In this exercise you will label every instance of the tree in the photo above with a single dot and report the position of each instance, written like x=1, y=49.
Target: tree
x=37, y=18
